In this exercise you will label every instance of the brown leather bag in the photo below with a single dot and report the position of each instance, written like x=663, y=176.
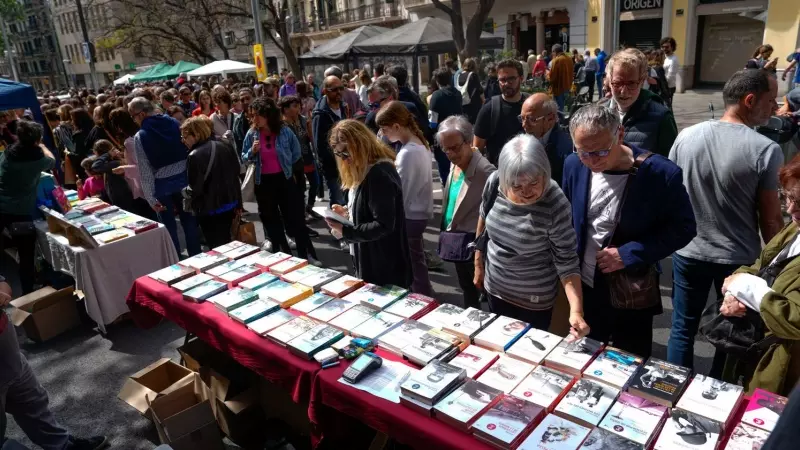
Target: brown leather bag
x=633, y=288
x=243, y=230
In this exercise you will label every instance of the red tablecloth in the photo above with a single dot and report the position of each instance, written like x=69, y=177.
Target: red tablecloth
x=150, y=301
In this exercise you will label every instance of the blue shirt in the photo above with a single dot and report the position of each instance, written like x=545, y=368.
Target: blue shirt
x=601, y=61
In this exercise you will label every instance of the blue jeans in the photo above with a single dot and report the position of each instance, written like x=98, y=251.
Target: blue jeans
x=691, y=280
x=599, y=79
x=168, y=193
x=560, y=100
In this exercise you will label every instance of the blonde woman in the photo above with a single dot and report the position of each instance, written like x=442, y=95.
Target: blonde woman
x=378, y=234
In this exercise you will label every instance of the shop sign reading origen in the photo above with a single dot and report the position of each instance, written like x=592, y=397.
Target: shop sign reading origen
x=636, y=5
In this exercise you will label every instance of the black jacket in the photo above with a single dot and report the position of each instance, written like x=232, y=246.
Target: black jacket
x=222, y=186
x=95, y=135
x=381, y=253
x=322, y=121
x=116, y=186
x=648, y=124
x=405, y=94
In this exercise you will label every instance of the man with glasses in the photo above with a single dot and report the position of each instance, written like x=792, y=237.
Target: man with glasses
x=329, y=110
x=648, y=123
x=241, y=123
x=671, y=65
x=186, y=102
x=498, y=119
x=731, y=174
x=539, y=118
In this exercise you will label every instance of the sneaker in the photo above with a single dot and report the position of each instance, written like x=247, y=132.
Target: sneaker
x=92, y=443
x=267, y=246
x=433, y=261
x=314, y=261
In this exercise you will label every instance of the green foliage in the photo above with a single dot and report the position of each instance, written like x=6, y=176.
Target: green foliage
x=10, y=11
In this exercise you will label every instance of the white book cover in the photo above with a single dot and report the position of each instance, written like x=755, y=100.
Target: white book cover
x=256, y=259
x=352, y=318
x=465, y=403
x=288, y=265
x=296, y=275
x=228, y=247
x=204, y=261
x=507, y=419
x=254, y=311
x=631, y=423
x=280, y=291
x=710, y=398
x=588, y=401
x=686, y=431
x=239, y=273
x=614, y=367
x=407, y=306
x=600, y=439
x=555, y=433
x=574, y=353
x=331, y=309
x=258, y=281
x=377, y=325
x=402, y=336
x=431, y=381
x=444, y=315
x=192, y=282
x=318, y=279
x=233, y=298
x=241, y=251
x=534, y=346
x=266, y=259
x=474, y=359
x=311, y=303
x=270, y=322
x=745, y=437
x=501, y=332
x=315, y=339
x=543, y=386
x=206, y=290
x=470, y=322
x=169, y=275
x=342, y=286
x=506, y=373
x=292, y=329
x=224, y=268
x=377, y=297
x=425, y=348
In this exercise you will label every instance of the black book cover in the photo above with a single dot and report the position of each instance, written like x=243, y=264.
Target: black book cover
x=660, y=380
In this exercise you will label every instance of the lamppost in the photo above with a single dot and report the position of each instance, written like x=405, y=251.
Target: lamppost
x=10, y=52
x=68, y=69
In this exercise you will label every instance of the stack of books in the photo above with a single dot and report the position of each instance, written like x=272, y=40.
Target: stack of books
x=475, y=360
x=353, y=317
x=142, y=225
x=600, y=439
x=311, y=303
x=429, y=346
x=685, y=430
x=254, y=311
x=228, y=247
x=469, y=323
x=377, y=325
x=204, y=261
x=506, y=373
x=441, y=316
x=712, y=399
x=556, y=433
x=377, y=297
x=290, y=330
x=329, y=310
x=222, y=269
x=318, y=279
x=659, y=381
x=233, y=299
x=502, y=333
x=635, y=419
x=239, y=274
x=433, y=382
x=284, y=293
x=97, y=228
x=287, y=265
x=342, y=286
x=314, y=340
x=587, y=402
x=465, y=404
x=412, y=306
x=258, y=281
x=172, y=274
x=264, y=260
x=111, y=236
x=745, y=437
x=302, y=272
x=268, y=323
x=401, y=337
x=506, y=424
x=613, y=367
x=534, y=346
x=545, y=387
x=205, y=291
x=192, y=282
x=764, y=410
x=573, y=355
x=241, y=251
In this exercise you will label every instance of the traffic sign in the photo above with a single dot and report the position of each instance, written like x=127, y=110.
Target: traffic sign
x=261, y=66
x=87, y=51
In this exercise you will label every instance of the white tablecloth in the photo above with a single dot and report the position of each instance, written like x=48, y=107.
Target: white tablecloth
x=106, y=274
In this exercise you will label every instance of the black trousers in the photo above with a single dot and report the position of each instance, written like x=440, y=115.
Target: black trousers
x=25, y=244
x=281, y=210
x=140, y=207
x=313, y=187
x=537, y=319
x=590, y=82
x=466, y=274
x=217, y=228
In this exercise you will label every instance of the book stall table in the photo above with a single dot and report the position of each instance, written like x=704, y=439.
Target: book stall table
x=105, y=274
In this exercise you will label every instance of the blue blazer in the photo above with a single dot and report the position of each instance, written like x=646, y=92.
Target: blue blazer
x=657, y=217
x=558, y=148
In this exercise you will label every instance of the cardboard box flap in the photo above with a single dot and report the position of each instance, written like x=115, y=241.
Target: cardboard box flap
x=149, y=368
x=137, y=395
x=189, y=420
x=19, y=316
x=167, y=406
x=53, y=299
x=162, y=377
x=242, y=401
x=26, y=301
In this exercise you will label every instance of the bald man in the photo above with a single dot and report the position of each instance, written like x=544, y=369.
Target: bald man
x=329, y=110
x=539, y=118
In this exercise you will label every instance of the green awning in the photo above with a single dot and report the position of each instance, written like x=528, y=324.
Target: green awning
x=179, y=68
x=152, y=73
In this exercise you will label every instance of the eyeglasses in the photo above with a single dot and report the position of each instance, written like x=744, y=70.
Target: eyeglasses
x=789, y=198
x=454, y=148
x=507, y=80
x=343, y=154
x=593, y=154
x=630, y=85
x=522, y=119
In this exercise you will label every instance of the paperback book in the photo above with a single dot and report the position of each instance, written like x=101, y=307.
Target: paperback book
x=764, y=409
x=377, y=325
x=172, y=274
x=432, y=382
x=573, y=355
x=475, y=360
x=311, y=303
x=268, y=323
x=545, y=387
x=600, y=439
x=233, y=299
x=314, y=340
x=659, y=381
x=222, y=269
x=331, y=309
x=189, y=283
x=636, y=424
x=241, y=251
x=401, y=337
x=342, y=286
x=426, y=348
x=377, y=297
x=205, y=291
x=352, y=318
x=140, y=226
x=284, y=293
x=288, y=265
x=587, y=402
x=613, y=367
x=204, y=261
x=443, y=315
x=410, y=305
x=686, y=431
x=745, y=437
x=258, y=281
x=462, y=406
x=228, y=247
x=555, y=433
x=239, y=274
x=318, y=279
x=505, y=424
x=254, y=311
x=711, y=398
x=265, y=260
x=296, y=275
x=506, y=373
x=534, y=346
x=111, y=236
x=501, y=333
x=470, y=322
x=291, y=329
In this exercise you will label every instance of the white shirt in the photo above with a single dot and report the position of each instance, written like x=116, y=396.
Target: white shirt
x=750, y=289
x=606, y=192
x=414, y=167
x=671, y=66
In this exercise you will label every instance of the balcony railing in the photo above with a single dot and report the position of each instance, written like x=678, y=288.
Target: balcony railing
x=299, y=26
x=365, y=12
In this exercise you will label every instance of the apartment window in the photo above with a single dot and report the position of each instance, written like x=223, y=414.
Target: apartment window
x=113, y=54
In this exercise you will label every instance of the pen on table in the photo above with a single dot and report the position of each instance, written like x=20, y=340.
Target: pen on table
x=335, y=363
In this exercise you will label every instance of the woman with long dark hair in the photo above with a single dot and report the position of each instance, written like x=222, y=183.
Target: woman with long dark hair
x=101, y=129
x=125, y=127
x=205, y=105
x=82, y=125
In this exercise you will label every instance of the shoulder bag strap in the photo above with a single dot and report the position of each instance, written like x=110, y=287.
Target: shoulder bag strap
x=210, y=160
x=637, y=163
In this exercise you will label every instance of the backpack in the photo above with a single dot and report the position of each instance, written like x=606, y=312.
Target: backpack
x=466, y=98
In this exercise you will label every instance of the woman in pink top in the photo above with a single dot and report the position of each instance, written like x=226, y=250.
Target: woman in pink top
x=125, y=127
x=93, y=185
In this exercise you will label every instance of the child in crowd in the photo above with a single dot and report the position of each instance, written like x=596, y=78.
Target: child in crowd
x=107, y=159
x=93, y=186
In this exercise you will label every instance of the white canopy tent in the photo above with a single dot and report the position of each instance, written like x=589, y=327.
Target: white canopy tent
x=223, y=67
x=124, y=79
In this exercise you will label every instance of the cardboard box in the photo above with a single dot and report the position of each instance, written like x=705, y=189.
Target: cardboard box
x=184, y=419
x=237, y=410
x=158, y=379
x=46, y=313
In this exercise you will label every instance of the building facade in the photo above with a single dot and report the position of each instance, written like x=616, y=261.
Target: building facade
x=34, y=47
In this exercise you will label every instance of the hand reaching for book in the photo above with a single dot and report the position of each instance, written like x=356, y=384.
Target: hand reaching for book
x=578, y=327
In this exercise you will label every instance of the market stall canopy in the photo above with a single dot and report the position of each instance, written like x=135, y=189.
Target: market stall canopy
x=427, y=35
x=152, y=73
x=338, y=47
x=14, y=95
x=222, y=67
x=125, y=79
x=179, y=68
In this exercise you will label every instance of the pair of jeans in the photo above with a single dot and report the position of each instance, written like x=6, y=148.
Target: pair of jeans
x=560, y=101
x=26, y=248
x=419, y=267
x=24, y=398
x=168, y=193
x=281, y=210
x=217, y=227
x=465, y=271
x=599, y=79
x=691, y=280
x=539, y=319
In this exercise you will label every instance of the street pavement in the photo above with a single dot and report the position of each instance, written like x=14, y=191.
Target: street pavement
x=83, y=370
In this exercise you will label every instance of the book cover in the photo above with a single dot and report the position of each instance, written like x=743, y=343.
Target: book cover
x=314, y=340
x=140, y=226
x=172, y=274
x=544, y=386
x=239, y=274
x=432, y=382
x=121, y=220
x=291, y=329
x=501, y=333
x=745, y=437
x=268, y=323
x=296, y=275
x=466, y=403
x=258, y=281
x=61, y=197
x=265, y=260
x=573, y=355
x=233, y=299
x=426, y=348
x=377, y=325
x=659, y=381
x=105, y=211
x=506, y=421
x=600, y=439
x=241, y=251
x=84, y=219
x=613, y=367
x=469, y=322
x=254, y=311
x=409, y=305
x=74, y=214
x=764, y=409
x=111, y=236
x=534, y=346
x=587, y=402
x=686, y=431
x=397, y=339
x=506, y=373
x=222, y=269
x=377, y=297
x=191, y=282
x=630, y=422
x=205, y=290
x=555, y=433
x=284, y=293
x=711, y=398
x=475, y=360
x=352, y=318
x=331, y=309
x=95, y=207
x=228, y=247
x=204, y=261
x=444, y=315
x=311, y=303
x=288, y=265
x=98, y=228
x=342, y=286
x=318, y=279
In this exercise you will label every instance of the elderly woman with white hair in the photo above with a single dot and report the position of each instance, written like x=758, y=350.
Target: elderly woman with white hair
x=630, y=210
x=527, y=243
x=469, y=171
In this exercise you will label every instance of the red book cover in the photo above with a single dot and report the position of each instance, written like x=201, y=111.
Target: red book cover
x=140, y=226
x=61, y=198
x=95, y=207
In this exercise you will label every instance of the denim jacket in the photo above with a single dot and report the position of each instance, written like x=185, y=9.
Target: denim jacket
x=287, y=146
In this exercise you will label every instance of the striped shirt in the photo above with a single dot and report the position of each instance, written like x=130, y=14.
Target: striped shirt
x=146, y=174
x=531, y=248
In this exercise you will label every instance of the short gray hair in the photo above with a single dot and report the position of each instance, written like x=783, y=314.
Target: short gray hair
x=456, y=123
x=335, y=71
x=550, y=107
x=522, y=156
x=141, y=104
x=386, y=85
x=629, y=57
x=594, y=118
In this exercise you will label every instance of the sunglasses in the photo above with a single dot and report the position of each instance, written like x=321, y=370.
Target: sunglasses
x=335, y=89
x=343, y=154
